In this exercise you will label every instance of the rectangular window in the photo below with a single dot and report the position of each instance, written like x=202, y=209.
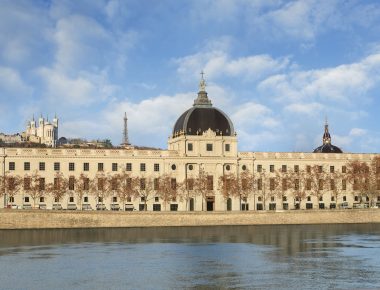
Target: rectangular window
x=114, y=199
x=142, y=167
x=259, y=184
x=308, y=184
x=100, y=183
x=156, y=167
x=210, y=182
x=297, y=184
x=190, y=183
x=227, y=147
x=296, y=168
x=320, y=184
x=320, y=169
x=86, y=166
x=41, y=166
x=85, y=199
x=283, y=168
x=71, y=199
x=142, y=183
x=26, y=166
x=71, y=166
x=332, y=184
x=173, y=183
x=308, y=169
x=259, y=168
x=344, y=169
x=27, y=181
x=156, y=207
x=128, y=167
x=42, y=199
x=156, y=184
x=284, y=184
x=344, y=198
x=12, y=166
x=26, y=198
x=42, y=184
x=271, y=184
x=332, y=169
x=208, y=147
x=189, y=146
x=378, y=184
x=56, y=183
x=344, y=185
x=114, y=184
x=129, y=183
x=100, y=166
x=86, y=184
x=174, y=207
x=114, y=166
x=271, y=168
x=71, y=183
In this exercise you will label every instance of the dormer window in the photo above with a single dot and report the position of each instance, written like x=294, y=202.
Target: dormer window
x=189, y=146
x=227, y=147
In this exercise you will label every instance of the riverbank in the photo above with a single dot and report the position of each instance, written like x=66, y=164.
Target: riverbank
x=40, y=219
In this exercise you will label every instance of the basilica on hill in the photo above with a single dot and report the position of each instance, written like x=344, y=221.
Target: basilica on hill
x=202, y=170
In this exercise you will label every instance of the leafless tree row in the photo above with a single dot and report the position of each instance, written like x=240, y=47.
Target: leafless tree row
x=356, y=177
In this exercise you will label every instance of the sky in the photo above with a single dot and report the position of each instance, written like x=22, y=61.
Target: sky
x=277, y=68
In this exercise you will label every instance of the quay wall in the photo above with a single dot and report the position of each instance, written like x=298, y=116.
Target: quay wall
x=44, y=219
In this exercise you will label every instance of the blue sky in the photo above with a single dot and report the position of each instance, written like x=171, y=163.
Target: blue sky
x=277, y=68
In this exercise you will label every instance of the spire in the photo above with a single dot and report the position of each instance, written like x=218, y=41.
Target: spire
x=202, y=99
x=326, y=135
x=125, y=131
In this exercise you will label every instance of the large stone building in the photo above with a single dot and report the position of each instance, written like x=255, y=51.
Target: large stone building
x=44, y=132
x=203, y=146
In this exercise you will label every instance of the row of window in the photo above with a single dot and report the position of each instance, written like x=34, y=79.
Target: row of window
x=209, y=147
x=86, y=166
x=284, y=168
x=157, y=199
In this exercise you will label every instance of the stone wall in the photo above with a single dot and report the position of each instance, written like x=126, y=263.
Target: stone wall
x=34, y=219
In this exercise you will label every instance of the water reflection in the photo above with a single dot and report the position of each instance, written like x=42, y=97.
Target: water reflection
x=239, y=257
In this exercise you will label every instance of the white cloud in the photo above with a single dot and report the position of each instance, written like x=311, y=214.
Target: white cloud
x=12, y=85
x=84, y=89
x=217, y=63
x=344, y=83
x=304, y=108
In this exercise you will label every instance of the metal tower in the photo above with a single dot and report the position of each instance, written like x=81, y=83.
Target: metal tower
x=125, y=132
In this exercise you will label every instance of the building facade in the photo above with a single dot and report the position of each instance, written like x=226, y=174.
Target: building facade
x=202, y=148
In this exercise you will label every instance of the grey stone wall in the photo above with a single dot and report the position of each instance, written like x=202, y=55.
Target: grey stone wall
x=35, y=219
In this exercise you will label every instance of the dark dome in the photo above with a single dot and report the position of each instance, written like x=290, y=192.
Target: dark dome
x=203, y=116
x=327, y=148
x=199, y=119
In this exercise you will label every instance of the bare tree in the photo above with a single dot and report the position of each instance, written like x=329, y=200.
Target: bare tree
x=167, y=189
x=297, y=183
x=228, y=185
x=358, y=174
x=146, y=189
x=101, y=187
x=204, y=186
x=37, y=187
x=186, y=190
x=11, y=183
x=128, y=187
x=318, y=178
x=374, y=180
x=81, y=186
x=58, y=188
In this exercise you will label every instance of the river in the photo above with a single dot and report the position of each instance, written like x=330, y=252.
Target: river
x=237, y=257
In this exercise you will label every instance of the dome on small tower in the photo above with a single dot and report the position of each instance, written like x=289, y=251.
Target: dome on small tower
x=327, y=147
x=203, y=116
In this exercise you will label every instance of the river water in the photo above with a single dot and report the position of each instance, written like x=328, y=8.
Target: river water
x=237, y=257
